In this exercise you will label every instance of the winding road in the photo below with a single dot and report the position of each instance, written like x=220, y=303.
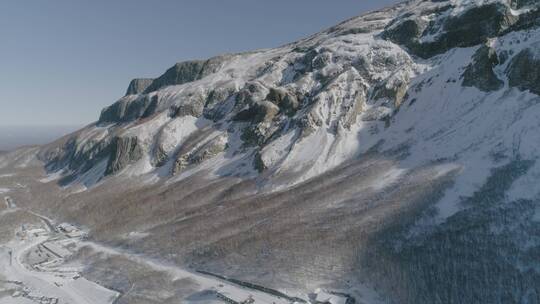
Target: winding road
x=52, y=286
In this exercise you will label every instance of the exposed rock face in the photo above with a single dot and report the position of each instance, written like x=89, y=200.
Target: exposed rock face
x=476, y=25
x=138, y=85
x=129, y=109
x=480, y=72
x=186, y=71
x=260, y=115
x=193, y=105
x=393, y=89
x=406, y=32
x=200, y=154
x=114, y=112
x=286, y=101
x=180, y=73
x=209, y=150
x=215, y=107
x=160, y=156
x=124, y=151
x=517, y=4
x=472, y=27
x=524, y=70
x=258, y=112
x=252, y=92
x=75, y=157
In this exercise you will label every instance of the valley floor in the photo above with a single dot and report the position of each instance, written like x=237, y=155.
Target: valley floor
x=37, y=267
x=34, y=271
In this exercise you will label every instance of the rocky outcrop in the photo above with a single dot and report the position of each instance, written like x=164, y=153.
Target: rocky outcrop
x=114, y=112
x=180, y=73
x=249, y=94
x=260, y=128
x=406, y=32
x=517, y=4
x=187, y=71
x=471, y=27
x=259, y=134
x=480, y=72
x=260, y=111
x=200, y=154
x=287, y=102
x=392, y=89
x=160, y=156
x=138, y=85
x=475, y=25
x=524, y=70
x=129, y=109
x=209, y=150
x=216, y=108
x=123, y=151
x=75, y=157
x=192, y=105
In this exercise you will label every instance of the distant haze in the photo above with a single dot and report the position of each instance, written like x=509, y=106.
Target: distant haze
x=63, y=61
x=12, y=137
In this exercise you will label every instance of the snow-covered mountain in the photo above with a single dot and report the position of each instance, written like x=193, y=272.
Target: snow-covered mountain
x=397, y=149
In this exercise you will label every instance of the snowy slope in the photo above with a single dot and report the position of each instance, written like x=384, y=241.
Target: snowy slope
x=352, y=89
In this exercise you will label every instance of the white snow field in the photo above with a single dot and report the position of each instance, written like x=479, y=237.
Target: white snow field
x=31, y=269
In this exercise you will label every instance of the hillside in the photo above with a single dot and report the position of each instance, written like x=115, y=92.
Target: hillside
x=392, y=157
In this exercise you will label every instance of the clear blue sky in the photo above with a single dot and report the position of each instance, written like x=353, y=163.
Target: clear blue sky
x=61, y=61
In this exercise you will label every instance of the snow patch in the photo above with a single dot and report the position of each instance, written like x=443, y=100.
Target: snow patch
x=389, y=178
x=52, y=177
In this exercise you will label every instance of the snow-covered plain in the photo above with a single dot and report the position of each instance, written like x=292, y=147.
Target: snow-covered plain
x=45, y=280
